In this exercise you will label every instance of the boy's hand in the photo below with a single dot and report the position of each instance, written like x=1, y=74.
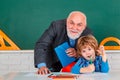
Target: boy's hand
x=101, y=51
x=90, y=68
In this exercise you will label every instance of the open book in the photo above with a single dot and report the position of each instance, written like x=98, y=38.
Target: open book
x=62, y=55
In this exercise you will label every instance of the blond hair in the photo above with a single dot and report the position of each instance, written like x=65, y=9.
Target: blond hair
x=84, y=41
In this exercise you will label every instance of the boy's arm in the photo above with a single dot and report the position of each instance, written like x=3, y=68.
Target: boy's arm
x=104, y=57
x=101, y=51
x=78, y=67
x=104, y=65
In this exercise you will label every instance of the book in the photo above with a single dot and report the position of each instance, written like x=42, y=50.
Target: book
x=62, y=55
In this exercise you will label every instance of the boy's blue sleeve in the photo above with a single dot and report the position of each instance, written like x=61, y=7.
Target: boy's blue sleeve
x=76, y=68
x=105, y=67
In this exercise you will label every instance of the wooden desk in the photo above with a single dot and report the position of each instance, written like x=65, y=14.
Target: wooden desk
x=33, y=76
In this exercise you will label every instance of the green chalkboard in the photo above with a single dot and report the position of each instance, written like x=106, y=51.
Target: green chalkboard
x=25, y=20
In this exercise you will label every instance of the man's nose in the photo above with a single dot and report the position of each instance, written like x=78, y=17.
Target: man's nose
x=74, y=26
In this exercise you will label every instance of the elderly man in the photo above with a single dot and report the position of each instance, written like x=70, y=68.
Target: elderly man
x=60, y=31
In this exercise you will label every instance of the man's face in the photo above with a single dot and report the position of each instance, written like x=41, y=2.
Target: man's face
x=75, y=26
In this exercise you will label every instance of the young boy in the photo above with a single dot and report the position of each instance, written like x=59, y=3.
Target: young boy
x=91, y=58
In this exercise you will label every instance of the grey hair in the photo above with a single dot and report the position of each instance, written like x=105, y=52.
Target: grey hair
x=79, y=12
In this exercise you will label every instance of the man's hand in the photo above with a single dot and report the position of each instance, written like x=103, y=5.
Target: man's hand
x=43, y=71
x=71, y=52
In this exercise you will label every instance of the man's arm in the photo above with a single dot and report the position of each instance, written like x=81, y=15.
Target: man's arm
x=41, y=51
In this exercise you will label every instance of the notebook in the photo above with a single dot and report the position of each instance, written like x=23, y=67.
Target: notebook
x=63, y=76
x=62, y=55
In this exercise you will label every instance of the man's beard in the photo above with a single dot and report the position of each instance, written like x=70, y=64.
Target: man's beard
x=73, y=36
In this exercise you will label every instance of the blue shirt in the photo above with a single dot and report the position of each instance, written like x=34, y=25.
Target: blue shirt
x=41, y=65
x=72, y=42
x=100, y=66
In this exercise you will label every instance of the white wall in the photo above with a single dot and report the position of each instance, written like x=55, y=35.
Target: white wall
x=17, y=61
x=23, y=61
x=114, y=60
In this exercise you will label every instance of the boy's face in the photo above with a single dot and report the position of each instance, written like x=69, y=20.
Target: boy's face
x=88, y=52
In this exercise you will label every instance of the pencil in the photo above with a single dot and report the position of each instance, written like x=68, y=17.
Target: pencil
x=91, y=60
x=50, y=75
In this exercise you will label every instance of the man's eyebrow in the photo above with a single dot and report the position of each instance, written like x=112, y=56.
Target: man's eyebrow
x=71, y=20
x=80, y=23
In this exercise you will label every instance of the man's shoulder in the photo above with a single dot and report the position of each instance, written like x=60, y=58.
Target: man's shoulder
x=87, y=28
x=87, y=31
x=60, y=21
x=59, y=24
